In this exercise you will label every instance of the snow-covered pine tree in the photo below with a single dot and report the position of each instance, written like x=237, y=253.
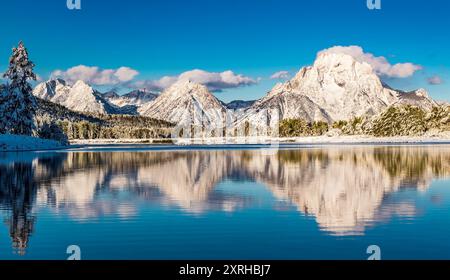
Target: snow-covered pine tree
x=17, y=103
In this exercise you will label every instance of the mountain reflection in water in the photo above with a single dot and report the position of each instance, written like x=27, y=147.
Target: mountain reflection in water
x=344, y=189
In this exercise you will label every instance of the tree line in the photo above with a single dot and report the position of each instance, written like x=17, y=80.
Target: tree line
x=89, y=130
x=404, y=120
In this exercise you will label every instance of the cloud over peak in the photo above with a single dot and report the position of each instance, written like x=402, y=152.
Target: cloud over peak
x=215, y=81
x=126, y=77
x=379, y=63
x=95, y=75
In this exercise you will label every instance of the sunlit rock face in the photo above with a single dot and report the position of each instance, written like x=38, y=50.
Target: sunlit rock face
x=343, y=188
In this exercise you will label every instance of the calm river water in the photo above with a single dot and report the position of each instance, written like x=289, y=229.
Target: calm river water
x=227, y=202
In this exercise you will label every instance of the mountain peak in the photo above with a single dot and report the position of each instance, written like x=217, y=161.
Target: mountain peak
x=186, y=84
x=421, y=92
x=335, y=56
x=53, y=83
x=186, y=87
x=82, y=85
x=79, y=97
x=57, y=81
x=137, y=98
x=186, y=101
x=336, y=87
x=341, y=64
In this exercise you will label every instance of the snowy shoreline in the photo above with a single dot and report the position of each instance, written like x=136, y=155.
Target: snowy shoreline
x=355, y=139
x=21, y=143
x=18, y=143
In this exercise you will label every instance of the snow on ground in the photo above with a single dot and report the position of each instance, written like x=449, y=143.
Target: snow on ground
x=354, y=139
x=9, y=142
x=357, y=139
x=120, y=141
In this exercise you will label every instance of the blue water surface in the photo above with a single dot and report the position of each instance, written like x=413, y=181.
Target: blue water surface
x=314, y=202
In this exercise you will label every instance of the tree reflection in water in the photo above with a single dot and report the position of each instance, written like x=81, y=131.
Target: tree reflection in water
x=18, y=191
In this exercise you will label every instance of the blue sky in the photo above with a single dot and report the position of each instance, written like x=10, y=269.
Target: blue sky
x=252, y=38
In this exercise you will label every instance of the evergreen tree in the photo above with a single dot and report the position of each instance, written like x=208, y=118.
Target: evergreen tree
x=17, y=103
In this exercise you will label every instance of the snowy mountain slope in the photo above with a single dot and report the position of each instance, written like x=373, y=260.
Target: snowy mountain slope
x=285, y=106
x=136, y=98
x=239, y=104
x=335, y=87
x=186, y=102
x=83, y=98
x=418, y=98
x=56, y=90
x=111, y=96
x=80, y=97
x=57, y=112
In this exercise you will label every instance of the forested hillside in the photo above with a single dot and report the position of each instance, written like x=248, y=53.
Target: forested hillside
x=75, y=125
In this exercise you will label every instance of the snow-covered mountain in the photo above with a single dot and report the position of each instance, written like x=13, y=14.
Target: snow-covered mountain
x=239, y=104
x=335, y=87
x=418, y=98
x=56, y=90
x=136, y=98
x=80, y=97
x=186, y=102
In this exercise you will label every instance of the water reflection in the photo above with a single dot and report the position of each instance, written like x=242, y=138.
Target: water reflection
x=20, y=177
x=344, y=189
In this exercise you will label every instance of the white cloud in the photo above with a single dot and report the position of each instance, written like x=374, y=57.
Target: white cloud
x=96, y=76
x=125, y=74
x=283, y=75
x=435, y=80
x=379, y=63
x=215, y=81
